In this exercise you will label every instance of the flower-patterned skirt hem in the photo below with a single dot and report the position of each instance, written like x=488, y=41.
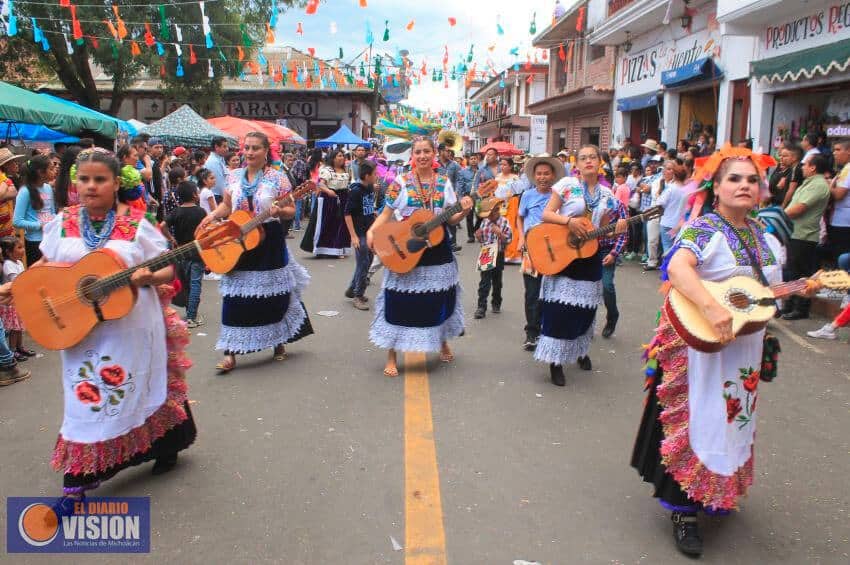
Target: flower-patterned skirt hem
x=703, y=486
x=102, y=459
x=11, y=321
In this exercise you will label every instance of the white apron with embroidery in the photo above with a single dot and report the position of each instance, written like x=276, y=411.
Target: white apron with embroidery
x=722, y=387
x=116, y=377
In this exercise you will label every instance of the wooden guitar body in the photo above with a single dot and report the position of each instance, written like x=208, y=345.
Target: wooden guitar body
x=695, y=330
x=56, y=310
x=552, y=247
x=399, y=248
x=223, y=258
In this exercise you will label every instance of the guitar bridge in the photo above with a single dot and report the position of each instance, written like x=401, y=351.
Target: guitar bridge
x=549, y=249
x=397, y=248
x=48, y=305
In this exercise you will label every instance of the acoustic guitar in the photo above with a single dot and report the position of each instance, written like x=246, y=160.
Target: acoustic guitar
x=552, y=247
x=61, y=304
x=223, y=258
x=751, y=305
x=400, y=245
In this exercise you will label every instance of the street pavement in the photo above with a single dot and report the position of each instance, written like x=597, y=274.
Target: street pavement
x=320, y=459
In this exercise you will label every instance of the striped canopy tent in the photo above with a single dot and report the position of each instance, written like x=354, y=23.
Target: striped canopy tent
x=185, y=127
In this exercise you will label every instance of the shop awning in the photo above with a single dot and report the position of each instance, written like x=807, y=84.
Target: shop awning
x=701, y=69
x=807, y=63
x=637, y=102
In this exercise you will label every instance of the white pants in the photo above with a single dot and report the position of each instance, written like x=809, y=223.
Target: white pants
x=653, y=238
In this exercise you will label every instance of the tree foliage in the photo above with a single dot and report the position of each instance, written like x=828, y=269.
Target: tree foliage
x=235, y=24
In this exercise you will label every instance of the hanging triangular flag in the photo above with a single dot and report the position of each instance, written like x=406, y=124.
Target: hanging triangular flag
x=499, y=29
x=410, y=25
x=332, y=28
x=179, y=71
x=122, y=29
x=210, y=72
x=149, y=40
x=299, y=29
x=386, y=30
x=370, y=39
x=68, y=45
x=269, y=34
x=532, y=29
x=12, y=19
x=312, y=6
x=363, y=3
x=164, y=32
x=135, y=51
x=452, y=22
x=192, y=58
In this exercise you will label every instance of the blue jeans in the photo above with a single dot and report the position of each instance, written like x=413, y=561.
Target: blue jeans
x=363, y=258
x=7, y=358
x=194, y=271
x=296, y=221
x=666, y=239
x=609, y=294
x=844, y=262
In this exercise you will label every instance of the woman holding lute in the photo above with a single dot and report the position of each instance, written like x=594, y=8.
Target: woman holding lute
x=568, y=300
x=261, y=296
x=420, y=310
x=695, y=442
x=124, y=384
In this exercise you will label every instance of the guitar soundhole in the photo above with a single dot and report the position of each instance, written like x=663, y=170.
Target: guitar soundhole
x=88, y=292
x=739, y=300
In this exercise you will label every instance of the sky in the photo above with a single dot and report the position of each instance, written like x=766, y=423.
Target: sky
x=477, y=25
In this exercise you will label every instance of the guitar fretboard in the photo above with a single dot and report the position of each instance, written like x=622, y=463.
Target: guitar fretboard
x=599, y=232
x=116, y=281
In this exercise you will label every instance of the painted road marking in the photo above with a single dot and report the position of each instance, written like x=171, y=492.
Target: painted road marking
x=425, y=539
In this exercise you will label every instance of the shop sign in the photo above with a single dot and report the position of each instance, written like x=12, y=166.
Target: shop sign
x=264, y=109
x=818, y=27
x=837, y=130
x=641, y=72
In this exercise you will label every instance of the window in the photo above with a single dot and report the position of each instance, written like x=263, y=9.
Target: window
x=597, y=52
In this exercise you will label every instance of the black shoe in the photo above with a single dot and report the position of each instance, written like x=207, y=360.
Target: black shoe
x=480, y=313
x=456, y=248
x=164, y=464
x=497, y=308
x=470, y=240
x=349, y=293
x=530, y=343
x=608, y=330
x=584, y=363
x=795, y=315
x=556, y=373
x=686, y=533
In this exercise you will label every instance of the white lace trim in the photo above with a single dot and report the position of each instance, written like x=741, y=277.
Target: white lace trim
x=390, y=336
x=565, y=290
x=423, y=279
x=246, y=340
x=563, y=351
x=291, y=278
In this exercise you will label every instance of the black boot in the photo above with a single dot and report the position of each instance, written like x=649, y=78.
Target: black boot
x=608, y=330
x=686, y=533
x=556, y=373
x=480, y=313
x=585, y=364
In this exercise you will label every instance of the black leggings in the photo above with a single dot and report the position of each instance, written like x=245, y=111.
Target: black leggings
x=32, y=251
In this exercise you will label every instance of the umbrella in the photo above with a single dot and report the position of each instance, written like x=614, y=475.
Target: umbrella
x=19, y=105
x=33, y=132
x=239, y=128
x=503, y=148
x=184, y=126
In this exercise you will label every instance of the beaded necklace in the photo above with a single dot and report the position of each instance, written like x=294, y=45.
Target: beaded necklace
x=426, y=199
x=94, y=238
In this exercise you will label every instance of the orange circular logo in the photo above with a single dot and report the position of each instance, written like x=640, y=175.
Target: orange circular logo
x=38, y=524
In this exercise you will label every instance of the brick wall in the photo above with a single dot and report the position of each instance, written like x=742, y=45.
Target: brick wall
x=599, y=72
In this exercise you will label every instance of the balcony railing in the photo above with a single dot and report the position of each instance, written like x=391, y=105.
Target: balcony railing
x=615, y=6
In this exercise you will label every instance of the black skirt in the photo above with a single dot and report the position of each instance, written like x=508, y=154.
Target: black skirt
x=646, y=456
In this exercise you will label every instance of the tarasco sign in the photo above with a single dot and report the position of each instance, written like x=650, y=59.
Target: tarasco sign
x=641, y=72
x=270, y=110
x=817, y=26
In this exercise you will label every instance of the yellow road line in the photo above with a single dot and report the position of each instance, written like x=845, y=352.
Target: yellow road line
x=425, y=539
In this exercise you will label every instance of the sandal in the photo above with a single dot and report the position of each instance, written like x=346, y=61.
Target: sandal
x=390, y=371
x=20, y=357
x=447, y=357
x=27, y=352
x=227, y=364
x=280, y=353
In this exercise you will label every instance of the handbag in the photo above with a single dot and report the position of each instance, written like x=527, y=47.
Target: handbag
x=487, y=256
x=770, y=347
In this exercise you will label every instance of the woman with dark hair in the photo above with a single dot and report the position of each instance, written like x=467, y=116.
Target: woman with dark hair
x=34, y=204
x=326, y=234
x=9, y=168
x=261, y=296
x=65, y=190
x=124, y=384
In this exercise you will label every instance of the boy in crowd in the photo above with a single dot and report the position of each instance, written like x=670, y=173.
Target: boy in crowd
x=495, y=229
x=359, y=215
x=183, y=222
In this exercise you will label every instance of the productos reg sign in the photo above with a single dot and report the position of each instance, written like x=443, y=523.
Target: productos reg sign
x=814, y=28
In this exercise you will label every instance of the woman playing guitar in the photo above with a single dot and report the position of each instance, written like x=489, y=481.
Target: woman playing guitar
x=261, y=296
x=569, y=299
x=124, y=384
x=421, y=309
x=695, y=442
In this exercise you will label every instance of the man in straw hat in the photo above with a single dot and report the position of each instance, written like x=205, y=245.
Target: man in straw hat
x=494, y=232
x=542, y=171
x=650, y=150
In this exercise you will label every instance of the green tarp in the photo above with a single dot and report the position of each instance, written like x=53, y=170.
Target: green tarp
x=184, y=126
x=807, y=63
x=19, y=105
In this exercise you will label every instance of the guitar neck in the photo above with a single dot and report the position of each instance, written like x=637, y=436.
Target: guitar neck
x=255, y=222
x=444, y=216
x=782, y=290
x=599, y=232
x=122, y=278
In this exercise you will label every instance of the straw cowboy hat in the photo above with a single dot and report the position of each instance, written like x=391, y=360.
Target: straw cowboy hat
x=520, y=159
x=6, y=156
x=652, y=145
x=557, y=166
x=487, y=204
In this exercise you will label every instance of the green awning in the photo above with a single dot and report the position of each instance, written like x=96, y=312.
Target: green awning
x=19, y=105
x=808, y=63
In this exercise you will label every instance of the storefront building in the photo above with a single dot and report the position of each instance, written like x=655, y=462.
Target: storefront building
x=577, y=109
x=679, y=80
x=800, y=69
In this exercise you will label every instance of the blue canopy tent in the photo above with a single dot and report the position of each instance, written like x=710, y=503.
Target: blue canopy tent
x=122, y=125
x=343, y=136
x=11, y=131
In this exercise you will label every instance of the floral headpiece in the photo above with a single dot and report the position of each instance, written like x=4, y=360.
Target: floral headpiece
x=706, y=167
